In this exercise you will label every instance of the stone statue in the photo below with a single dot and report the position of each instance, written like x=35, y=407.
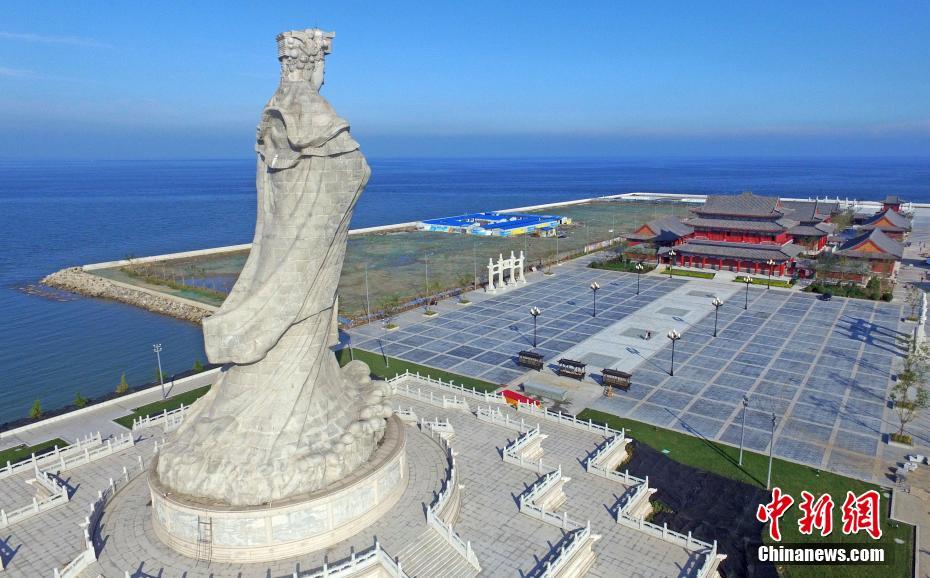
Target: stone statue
x=284, y=419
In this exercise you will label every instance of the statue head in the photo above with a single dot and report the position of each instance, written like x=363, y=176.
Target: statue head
x=301, y=53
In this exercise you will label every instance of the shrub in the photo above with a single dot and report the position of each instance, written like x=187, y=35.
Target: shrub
x=123, y=385
x=901, y=438
x=36, y=411
x=198, y=367
x=79, y=400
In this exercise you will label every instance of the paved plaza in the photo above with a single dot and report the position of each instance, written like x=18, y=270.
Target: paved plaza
x=822, y=367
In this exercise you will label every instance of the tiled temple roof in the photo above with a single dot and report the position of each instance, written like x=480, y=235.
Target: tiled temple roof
x=770, y=226
x=899, y=222
x=742, y=205
x=891, y=248
x=818, y=230
x=746, y=251
x=665, y=228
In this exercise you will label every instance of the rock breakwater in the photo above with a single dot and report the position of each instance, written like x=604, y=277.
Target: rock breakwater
x=76, y=280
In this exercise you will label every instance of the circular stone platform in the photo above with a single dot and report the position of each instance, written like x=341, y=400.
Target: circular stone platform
x=195, y=527
x=128, y=541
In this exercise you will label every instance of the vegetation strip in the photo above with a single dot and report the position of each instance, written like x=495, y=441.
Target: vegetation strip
x=792, y=478
x=689, y=273
x=378, y=367
x=173, y=402
x=769, y=282
x=24, y=452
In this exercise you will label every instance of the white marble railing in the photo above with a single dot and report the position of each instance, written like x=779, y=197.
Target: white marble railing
x=567, y=551
x=357, y=564
x=529, y=507
x=567, y=420
x=109, y=447
x=685, y=540
x=496, y=416
x=438, y=382
x=58, y=496
x=430, y=397
x=170, y=420
x=433, y=518
x=438, y=426
x=88, y=554
x=55, y=455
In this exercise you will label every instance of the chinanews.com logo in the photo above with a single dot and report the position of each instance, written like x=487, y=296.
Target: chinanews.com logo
x=859, y=514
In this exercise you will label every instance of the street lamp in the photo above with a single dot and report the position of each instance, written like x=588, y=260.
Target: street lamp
x=427, y=283
x=717, y=303
x=748, y=281
x=671, y=262
x=534, y=311
x=771, y=264
x=639, y=271
x=161, y=377
x=742, y=432
x=674, y=336
x=594, y=288
x=768, y=480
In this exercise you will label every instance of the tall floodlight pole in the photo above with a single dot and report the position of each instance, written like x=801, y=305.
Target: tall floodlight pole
x=594, y=288
x=556, y=246
x=674, y=336
x=748, y=281
x=534, y=311
x=427, y=282
x=671, y=262
x=768, y=480
x=161, y=376
x=367, y=299
x=742, y=432
x=717, y=303
x=639, y=271
x=474, y=253
x=771, y=264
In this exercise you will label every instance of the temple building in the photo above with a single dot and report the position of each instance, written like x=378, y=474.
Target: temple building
x=746, y=232
x=870, y=253
x=892, y=203
x=890, y=222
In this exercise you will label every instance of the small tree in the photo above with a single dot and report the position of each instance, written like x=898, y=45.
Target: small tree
x=36, y=411
x=874, y=288
x=909, y=392
x=913, y=298
x=198, y=367
x=79, y=400
x=123, y=386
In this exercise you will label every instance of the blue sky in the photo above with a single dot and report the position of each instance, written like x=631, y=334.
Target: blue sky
x=114, y=79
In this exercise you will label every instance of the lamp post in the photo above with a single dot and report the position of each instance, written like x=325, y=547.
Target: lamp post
x=674, y=336
x=594, y=288
x=534, y=311
x=742, y=431
x=427, y=283
x=639, y=271
x=161, y=377
x=771, y=264
x=768, y=480
x=367, y=299
x=717, y=303
x=671, y=262
x=748, y=281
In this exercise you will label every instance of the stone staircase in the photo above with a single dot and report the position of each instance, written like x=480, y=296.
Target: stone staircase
x=431, y=555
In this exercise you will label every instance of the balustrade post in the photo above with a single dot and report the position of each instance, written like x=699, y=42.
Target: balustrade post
x=35, y=504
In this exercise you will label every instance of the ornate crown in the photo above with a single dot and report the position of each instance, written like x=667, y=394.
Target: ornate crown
x=300, y=50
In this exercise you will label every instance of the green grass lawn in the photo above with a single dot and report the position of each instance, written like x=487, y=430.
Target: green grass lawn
x=376, y=363
x=790, y=477
x=766, y=281
x=619, y=265
x=20, y=453
x=173, y=402
x=689, y=273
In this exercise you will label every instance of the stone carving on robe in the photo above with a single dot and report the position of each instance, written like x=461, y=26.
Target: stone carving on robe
x=284, y=419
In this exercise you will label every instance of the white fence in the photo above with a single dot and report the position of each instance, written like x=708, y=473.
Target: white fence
x=529, y=507
x=406, y=415
x=497, y=417
x=512, y=453
x=431, y=397
x=568, y=420
x=170, y=420
x=690, y=543
x=88, y=554
x=358, y=563
x=567, y=551
x=55, y=455
x=441, y=427
x=438, y=382
x=58, y=496
x=433, y=511
x=109, y=447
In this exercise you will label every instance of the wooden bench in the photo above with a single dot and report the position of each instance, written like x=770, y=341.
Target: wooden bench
x=616, y=378
x=571, y=368
x=530, y=359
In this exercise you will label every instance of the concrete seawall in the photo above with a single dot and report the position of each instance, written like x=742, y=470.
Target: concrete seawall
x=76, y=280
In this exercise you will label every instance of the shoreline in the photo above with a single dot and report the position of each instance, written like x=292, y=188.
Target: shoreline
x=81, y=281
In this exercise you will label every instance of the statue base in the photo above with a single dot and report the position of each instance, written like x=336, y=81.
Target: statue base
x=214, y=531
